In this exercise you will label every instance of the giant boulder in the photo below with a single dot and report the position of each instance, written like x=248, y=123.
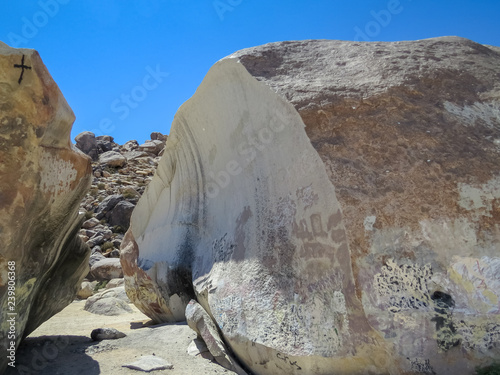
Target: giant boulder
x=42, y=180
x=334, y=207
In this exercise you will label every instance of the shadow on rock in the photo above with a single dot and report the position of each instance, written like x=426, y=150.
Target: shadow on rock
x=49, y=355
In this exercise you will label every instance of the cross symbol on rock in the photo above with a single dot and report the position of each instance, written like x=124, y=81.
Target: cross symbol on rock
x=22, y=66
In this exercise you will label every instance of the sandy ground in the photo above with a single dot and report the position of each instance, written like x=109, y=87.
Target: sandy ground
x=62, y=345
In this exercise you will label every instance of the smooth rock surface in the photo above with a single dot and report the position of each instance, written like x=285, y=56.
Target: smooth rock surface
x=42, y=180
x=149, y=363
x=333, y=205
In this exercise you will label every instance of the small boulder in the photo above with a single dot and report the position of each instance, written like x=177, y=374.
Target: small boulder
x=105, y=138
x=112, y=159
x=107, y=306
x=90, y=223
x=130, y=145
x=95, y=241
x=135, y=154
x=116, y=292
x=107, y=205
x=130, y=191
x=86, y=142
x=104, y=146
x=120, y=214
x=107, y=269
x=99, y=334
x=114, y=283
x=157, y=136
x=86, y=289
x=109, y=302
x=153, y=147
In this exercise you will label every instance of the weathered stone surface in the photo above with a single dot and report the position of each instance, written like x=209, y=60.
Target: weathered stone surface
x=198, y=347
x=120, y=214
x=113, y=283
x=86, y=289
x=335, y=205
x=148, y=363
x=112, y=159
x=200, y=322
x=157, y=136
x=130, y=145
x=108, y=302
x=95, y=257
x=100, y=334
x=110, y=306
x=87, y=143
x=153, y=147
x=107, y=269
x=107, y=205
x=42, y=180
x=90, y=223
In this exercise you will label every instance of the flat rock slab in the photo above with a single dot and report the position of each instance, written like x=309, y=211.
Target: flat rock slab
x=150, y=363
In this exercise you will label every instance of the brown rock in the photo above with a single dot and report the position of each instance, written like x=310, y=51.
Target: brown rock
x=112, y=159
x=341, y=214
x=107, y=269
x=87, y=143
x=42, y=181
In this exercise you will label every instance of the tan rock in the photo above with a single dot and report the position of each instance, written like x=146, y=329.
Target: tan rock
x=112, y=159
x=399, y=275
x=107, y=269
x=42, y=180
x=86, y=289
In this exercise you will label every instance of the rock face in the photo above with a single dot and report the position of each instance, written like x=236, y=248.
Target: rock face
x=42, y=181
x=334, y=207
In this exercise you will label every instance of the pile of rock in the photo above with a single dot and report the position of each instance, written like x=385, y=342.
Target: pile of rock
x=120, y=176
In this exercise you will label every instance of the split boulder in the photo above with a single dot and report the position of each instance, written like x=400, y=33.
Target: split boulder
x=333, y=205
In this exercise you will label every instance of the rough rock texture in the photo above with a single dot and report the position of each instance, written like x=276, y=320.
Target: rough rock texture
x=334, y=206
x=87, y=143
x=99, y=334
x=112, y=159
x=42, y=181
x=106, y=269
x=109, y=302
x=200, y=322
x=86, y=289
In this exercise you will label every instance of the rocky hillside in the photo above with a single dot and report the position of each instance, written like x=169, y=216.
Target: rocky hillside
x=120, y=176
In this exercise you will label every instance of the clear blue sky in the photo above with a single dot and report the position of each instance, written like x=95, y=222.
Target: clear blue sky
x=125, y=67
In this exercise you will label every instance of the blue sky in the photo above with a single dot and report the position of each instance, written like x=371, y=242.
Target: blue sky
x=125, y=67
